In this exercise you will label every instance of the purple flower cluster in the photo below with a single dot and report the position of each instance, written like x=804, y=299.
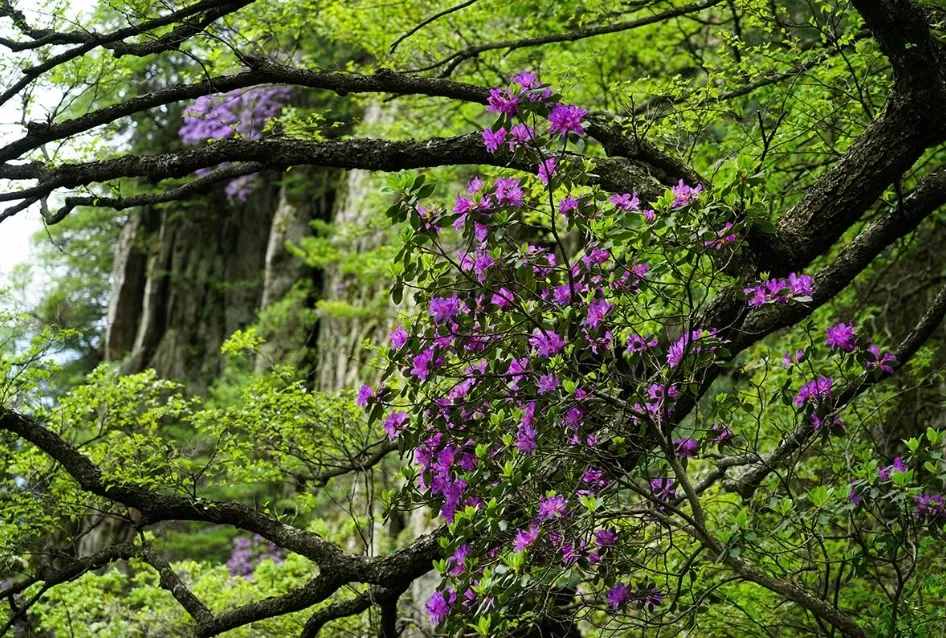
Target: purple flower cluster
x=780, y=290
x=242, y=113
x=814, y=391
x=248, y=552
x=439, y=605
x=841, y=336
x=898, y=466
x=688, y=343
x=931, y=507
x=567, y=118
x=494, y=367
x=239, y=113
x=684, y=195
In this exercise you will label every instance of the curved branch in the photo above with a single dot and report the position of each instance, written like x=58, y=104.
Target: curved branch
x=338, y=610
x=369, y=154
x=454, y=60
x=156, y=507
x=211, y=9
x=172, y=583
x=200, y=185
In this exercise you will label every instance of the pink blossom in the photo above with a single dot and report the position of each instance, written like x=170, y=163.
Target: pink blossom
x=501, y=101
x=625, y=201
x=547, y=168
x=365, y=394
x=841, y=337
x=525, y=537
x=394, y=424
x=568, y=205
x=567, y=118
x=492, y=140
x=398, y=338
x=552, y=507
x=546, y=342
x=509, y=191
x=684, y=194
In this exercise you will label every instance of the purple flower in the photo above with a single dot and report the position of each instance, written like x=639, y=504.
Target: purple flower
x=547, y=168
x=398, y=338
x=723, y=238
x=457, y=561
x=637, y=343
x=492, y=140
x=930, y=506
x=520, y=134
x=663, y=489
x=462, y=205
x=526, y=79
x=880, y=361
x=815, y=390
x=547, y=383
x=439, y=605
x=502, y=298
x=474, y=185
x=597, y=310
x=625, y=201
x=509, y=191
x=365, y=394
x=247, y=553
x=443, y=309
x=685, y=448
x=831, y=423
x=562, y=294
x=684, y=194
x=606, y=538
x=801, y=285
x=854, y=496
x=394, y=424
x=482, y=262
x=526, y=434
x=685, y=344
x=568, y=205
x=897, y=466
x=618, y=595
x=649, y=597
x=546, y=342
x=566, y=118
x=780, y=290
x=594, y=477
x=573, y=417
x=789, y=359
x=552, y=507
x=841, y=337
x=525, y=537
x=517, y=370
x=572, y=552
x=501, y=101
x=421, y=364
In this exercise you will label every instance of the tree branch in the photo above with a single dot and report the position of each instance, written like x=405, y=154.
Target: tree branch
x=454, y=60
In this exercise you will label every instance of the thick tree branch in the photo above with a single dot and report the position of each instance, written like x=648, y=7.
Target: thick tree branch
x=369, y=154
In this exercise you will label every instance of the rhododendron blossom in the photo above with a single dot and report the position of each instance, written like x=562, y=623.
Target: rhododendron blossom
x=553, y=347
